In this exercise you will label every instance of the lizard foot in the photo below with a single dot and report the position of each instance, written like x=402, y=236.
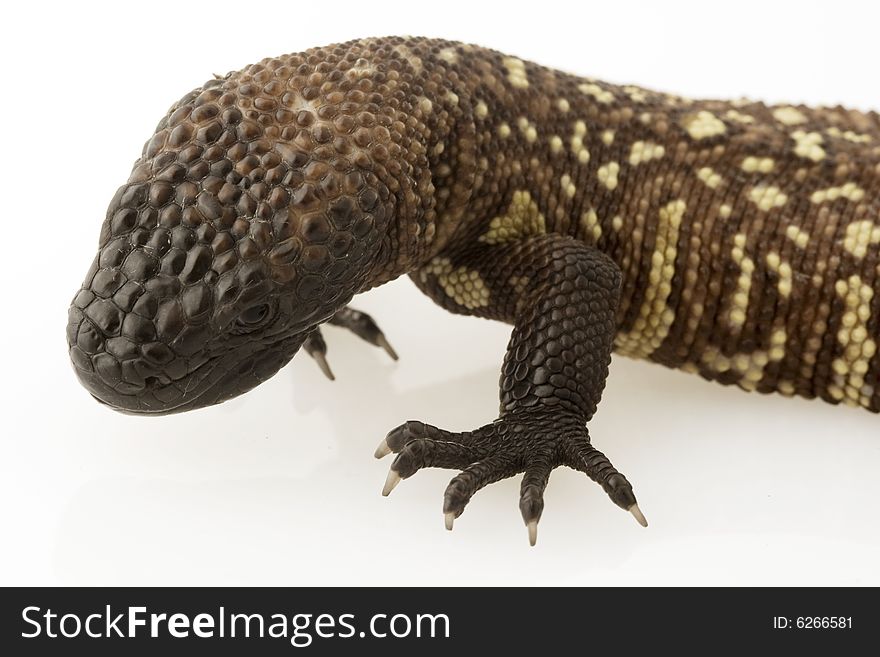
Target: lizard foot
x=361, y=324
x=532, y=443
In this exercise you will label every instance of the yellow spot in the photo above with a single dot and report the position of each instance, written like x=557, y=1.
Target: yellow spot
x=555, y=144
x=644, y=151
x=777, y=345
x=799, y=237
x=590, y=226
x=767, y=197
x=703, y=125
x=617, y=222
x=426, y=105
x=808, y=145
x=409, y=56
x=655, y=317
x=859, y=236
x=850, y=368
x=516, y=72
x=781, y=269
x=739, y=305
x=749, y=366
x=481, y=110
x=518, y=283
x=725, y=211
x=577, y=142
x=759, y=164
x=522, y=218
x=738, y=117
x=597, y=92
x=465, y=286
x=637, y=94
x=789, y=116
x=527, y=128
x=850, y=191
x=504, y=131
x=849, y=135
x=449, y=55
x=567, y=185
x=708, y=176
x=608, y=174
x=608, y=137
x=563, y=105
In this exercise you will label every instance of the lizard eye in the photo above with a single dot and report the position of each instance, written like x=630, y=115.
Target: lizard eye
x=253, y=316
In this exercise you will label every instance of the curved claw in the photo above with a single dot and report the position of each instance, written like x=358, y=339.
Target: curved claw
x=390, y=482
x=382, y=341
x=449, y=519
x=531, y=496
x=533, y=532
x=317, y=349
x=382, y=450
x=638, y=515
x=321, y=360
x=363, y=326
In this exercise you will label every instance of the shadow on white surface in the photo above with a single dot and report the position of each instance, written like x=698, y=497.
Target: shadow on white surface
x=280, y=487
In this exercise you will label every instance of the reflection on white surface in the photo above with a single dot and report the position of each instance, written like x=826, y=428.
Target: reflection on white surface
x=280, y=487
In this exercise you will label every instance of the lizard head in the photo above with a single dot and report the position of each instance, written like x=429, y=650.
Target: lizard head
x=241, y=227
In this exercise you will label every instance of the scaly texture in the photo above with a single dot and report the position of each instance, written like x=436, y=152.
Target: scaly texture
x=732, y=239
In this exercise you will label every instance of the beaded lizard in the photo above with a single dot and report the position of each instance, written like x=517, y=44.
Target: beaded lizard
x=735, y=240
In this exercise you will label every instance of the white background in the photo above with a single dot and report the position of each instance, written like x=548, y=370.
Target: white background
x=280, y=486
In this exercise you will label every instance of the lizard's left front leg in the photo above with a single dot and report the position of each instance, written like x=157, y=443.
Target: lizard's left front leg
x=359, y=323
x=561, y=295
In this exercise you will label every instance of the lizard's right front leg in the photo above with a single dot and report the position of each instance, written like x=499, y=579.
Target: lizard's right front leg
x=561, y=295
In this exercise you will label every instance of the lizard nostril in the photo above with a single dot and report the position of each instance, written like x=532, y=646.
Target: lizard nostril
x=151, y=382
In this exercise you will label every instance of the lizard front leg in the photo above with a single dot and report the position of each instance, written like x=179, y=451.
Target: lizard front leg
x=561, y=296
x=359, y=323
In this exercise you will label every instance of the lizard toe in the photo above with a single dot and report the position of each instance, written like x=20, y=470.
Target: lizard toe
x=419, y=445
x=579, y=454
x=365, y=327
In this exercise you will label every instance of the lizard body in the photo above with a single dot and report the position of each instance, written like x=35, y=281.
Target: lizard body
x=731, y=239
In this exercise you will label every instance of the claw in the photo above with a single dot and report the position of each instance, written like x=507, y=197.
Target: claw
x=321, y=360
x=382, y=341
x=448, y=519
x=317, y=349
x=533, y=532
x=638, y=515
x=363, y=326
x=392, y=481
x=382, y=450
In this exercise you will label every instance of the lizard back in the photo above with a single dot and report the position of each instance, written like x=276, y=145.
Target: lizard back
x=747, y=234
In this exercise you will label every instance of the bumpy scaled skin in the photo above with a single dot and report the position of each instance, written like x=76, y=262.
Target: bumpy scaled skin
x=731, y=239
